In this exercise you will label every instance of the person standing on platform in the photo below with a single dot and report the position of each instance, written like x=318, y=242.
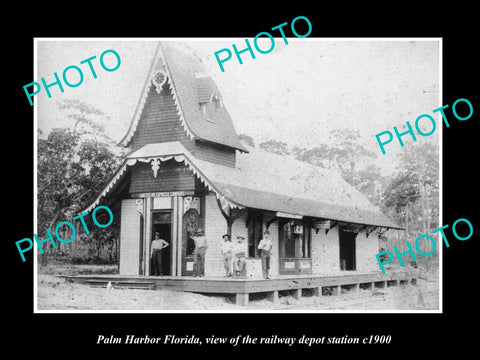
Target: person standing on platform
x=227, y=252
x=157, y=246
x=240, y=251
x=265, y=246
x=201, y=247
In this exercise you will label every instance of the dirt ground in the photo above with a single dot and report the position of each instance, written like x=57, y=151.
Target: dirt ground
x=54, y=293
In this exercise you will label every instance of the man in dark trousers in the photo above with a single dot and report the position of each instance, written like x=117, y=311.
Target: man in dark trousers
x=265, y=246
x=199, y=253
x=157, y=246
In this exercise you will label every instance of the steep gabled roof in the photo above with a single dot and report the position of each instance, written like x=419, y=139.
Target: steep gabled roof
x=189, y=89
x=206, y=88
x=268, y=181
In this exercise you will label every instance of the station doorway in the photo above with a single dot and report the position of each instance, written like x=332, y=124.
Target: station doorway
x=347, y=250
x=162, y=224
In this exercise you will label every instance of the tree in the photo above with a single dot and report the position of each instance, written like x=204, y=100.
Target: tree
x=411, y=196
x=54, y=189
x=348, y=152
x=319, y=155
x=370, y=182
x=246, y=140
x=421, y=161
x=400, y=196
x=275, y=146
x=73, y=165
x=347, y=155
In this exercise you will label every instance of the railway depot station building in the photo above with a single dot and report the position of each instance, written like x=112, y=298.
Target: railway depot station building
x=187, y=169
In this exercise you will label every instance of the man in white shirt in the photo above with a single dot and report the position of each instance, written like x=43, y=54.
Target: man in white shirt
x=201, y=247
x=240, y=251
x=157, y=246
x=227, y=252
x=265, y=246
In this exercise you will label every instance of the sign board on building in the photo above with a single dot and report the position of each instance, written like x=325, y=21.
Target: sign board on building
x=162, y=202
x=165, y=193
x=287, y=215
x=304, y=265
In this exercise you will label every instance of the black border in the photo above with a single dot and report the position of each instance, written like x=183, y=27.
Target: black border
x=54, y=334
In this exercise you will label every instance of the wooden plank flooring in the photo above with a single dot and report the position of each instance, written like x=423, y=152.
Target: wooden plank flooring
x=224, y=285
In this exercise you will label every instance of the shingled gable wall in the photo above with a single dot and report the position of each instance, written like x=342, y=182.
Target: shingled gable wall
x=160, y=122
x=171, y=176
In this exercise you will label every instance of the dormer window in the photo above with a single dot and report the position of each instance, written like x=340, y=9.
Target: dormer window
x=203, y=107
x=217, y=101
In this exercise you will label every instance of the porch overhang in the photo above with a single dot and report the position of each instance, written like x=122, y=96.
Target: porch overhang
x=221, y=180
x=155, y=154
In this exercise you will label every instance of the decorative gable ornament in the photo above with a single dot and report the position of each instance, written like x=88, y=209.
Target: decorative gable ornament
x=159, y=79
x=155, y=166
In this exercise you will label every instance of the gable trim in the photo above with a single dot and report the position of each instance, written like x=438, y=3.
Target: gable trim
x=156, y=161
x=143, y=98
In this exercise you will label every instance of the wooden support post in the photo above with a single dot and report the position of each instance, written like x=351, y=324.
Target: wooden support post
x=336, y=290
x=273, y=296
x=241, y=299
x=297, y=294
x=373, y=285
x=357, y=288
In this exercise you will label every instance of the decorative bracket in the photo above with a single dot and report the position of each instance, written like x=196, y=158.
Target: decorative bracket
x=191, y=202
x=139, y=203
x=269, y=222
x=373, y=228
x=332, y=225
x=380, y=232
x=363, y=227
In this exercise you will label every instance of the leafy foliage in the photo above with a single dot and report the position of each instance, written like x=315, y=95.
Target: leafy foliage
x=246, y=140
x=345, y=156
x=409, y=196
x=275, y=146
x=73, y=165
x=417, y=184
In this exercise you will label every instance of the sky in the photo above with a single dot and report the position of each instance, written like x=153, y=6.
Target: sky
x=296, y=93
